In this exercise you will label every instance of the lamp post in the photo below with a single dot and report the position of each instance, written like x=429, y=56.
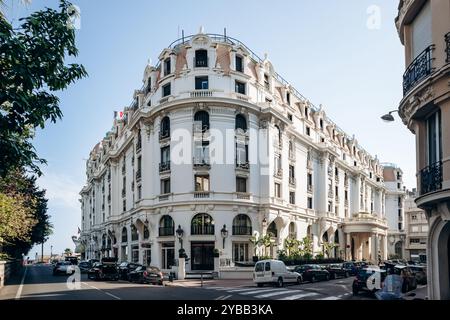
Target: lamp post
x=51, y=252
x=224, y=233
x=180, y=233
x=388, y=116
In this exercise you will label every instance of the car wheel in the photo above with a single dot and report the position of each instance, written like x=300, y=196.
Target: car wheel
x=313, y=278
x=299, y=280
x=259, y=285
x=280, y=282
x=346, y=274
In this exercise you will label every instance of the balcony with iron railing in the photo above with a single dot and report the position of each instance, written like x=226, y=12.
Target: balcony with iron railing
x=200, y=63
x=418, y=70
x=431, y=178
x=309, y=188
x=278, y=173
x=123, y=193
x=138, y=174
x=164, y=166
x=166, y=231
x=292, y=181
x=242, y=165
x=206, y=229
x=447, y=47
x=201, y=162
x=138, y=145
x=201, y=194
x=242, y=230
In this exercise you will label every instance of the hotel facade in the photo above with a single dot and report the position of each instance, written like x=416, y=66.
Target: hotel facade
x=216, y=148
x=424, y=30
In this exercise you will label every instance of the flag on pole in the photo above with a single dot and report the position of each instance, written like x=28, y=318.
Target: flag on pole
x=118, y=115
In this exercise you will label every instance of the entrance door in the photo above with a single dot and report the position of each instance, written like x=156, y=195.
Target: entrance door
x=168, y=255
x=202, y=255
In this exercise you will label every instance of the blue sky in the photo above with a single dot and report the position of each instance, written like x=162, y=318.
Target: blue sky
x=323, y=47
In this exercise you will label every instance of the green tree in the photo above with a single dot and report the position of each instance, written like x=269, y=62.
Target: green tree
x=67, y=252
x=32, y=69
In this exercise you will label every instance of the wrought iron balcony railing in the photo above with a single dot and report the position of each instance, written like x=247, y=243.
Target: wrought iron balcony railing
x=164, y=134
x=292, y=181
x=242, y=165
x=164, y=166
x=201, y=194
x=202, y=229
x=166, y=231
x=138, y=174
x=431, y=178
x=447, y=47
x=123, y=193
x=201, y=162
x=419, y=69
x=310, y=188
x=242, y=230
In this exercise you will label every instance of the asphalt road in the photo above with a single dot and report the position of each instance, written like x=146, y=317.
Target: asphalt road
x=40, y=284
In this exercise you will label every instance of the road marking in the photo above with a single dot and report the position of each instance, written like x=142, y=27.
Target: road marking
x=298, y=296
x=243, y=290
x=279, y=293
x=19, y=291
x=330, y=298
x=223, y=297
x=263, y=290
x=107, y=293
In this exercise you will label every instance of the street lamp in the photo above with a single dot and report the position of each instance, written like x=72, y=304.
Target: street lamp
x=224, y=233
x=388, y=116
x=180, y=233
x=51, y=252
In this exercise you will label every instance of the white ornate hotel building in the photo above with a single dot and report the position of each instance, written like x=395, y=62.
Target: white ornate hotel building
x=288, y=169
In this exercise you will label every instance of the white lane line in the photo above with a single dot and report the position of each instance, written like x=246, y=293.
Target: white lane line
x=107, y=293
x=226, y=297
x=219, y=298
x=223, y=297
x=248, y=289
x=330, y=298
x=19, y=291
x=260, y=291
x=299, y=296
x=277, y=293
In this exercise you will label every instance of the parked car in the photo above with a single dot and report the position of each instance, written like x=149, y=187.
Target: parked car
x=63, y=267
x=84, y=266
x=125, y=268
x=337, y=270
x=365, y=282
x=409, y=278
x=420, y=272
x=72, y=260
x=312, y=272
x=274, y=272
x=105, y=270
x=144, y=274
x=354, y=266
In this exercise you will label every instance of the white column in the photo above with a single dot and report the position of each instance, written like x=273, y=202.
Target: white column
x=374, y=251
x=348, y=244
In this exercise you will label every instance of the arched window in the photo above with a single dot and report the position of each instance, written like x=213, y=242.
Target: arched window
x=277, y=137
x=241, y=123
x=202, y=223
x=166, y=226
x=272, y=230
x=309, y=232
x=325, y=237
x=201, y=58
x=146, y=232
x=104, y=241
x=124, y=235
x=292, y=231
x=291, y=150
x=336, y=237
x=134, y=233
x=242, y=225
x=164, y=130
x=201, y=118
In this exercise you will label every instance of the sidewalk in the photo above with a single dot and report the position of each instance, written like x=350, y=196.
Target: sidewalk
x=421, y=293
x=196, y=283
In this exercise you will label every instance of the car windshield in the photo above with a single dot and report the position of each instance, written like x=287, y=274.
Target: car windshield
x=139, y=268
x=123, y=264
x=259, y=267
x=153, y=269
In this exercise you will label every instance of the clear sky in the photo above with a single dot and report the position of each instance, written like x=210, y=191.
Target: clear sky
x=323, y=47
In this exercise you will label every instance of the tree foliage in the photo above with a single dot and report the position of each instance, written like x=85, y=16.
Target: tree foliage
x=32, y=69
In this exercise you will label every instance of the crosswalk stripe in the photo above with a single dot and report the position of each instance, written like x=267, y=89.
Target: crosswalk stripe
x=243, y=290
x=330, y=298
x=261, y=290
x=271, y=294
x=298, y=296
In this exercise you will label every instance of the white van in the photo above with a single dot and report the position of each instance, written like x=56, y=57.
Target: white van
x=274, y=272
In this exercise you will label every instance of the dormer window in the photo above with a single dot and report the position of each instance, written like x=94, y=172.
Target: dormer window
x=288, y=98
x=239, y=64
x=266, y=82
x=201, y=59
x=167, y=67
x=306, y=113
x=321, y=123
x=148, y=88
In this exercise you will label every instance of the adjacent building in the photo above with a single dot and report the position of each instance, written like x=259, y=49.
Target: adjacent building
x=416, y=225
x=424, y=30
x=216, y=148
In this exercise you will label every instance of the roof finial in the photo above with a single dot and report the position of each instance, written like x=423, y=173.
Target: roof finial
x=202, y=30
x=149, y=61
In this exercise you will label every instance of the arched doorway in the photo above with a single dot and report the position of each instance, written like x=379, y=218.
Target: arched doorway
x=336, y=243
x=202, y=252
x=272, y=231
x=398, y=249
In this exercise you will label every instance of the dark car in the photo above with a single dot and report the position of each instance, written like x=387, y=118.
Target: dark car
x=420, y=272
x=84, y=266
x=72, y=260
x=369, y=278
x=353, y=266
x=409, y=279
x=146, y=275
x=126, y=267
x=312, y=272
x=105, y=270
x=337, y=270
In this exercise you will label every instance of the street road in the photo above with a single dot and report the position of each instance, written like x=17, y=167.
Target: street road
x=40, y=284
